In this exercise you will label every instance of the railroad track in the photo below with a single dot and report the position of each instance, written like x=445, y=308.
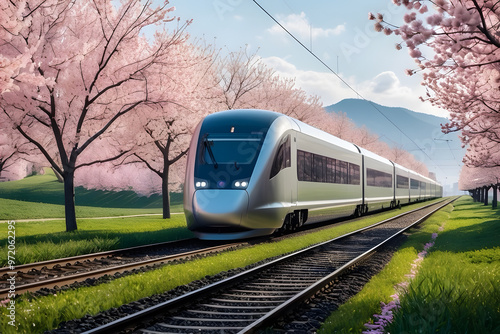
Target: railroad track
x=47, y=274
x=255, y=299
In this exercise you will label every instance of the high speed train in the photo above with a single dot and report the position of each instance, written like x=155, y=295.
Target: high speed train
x=252, y=172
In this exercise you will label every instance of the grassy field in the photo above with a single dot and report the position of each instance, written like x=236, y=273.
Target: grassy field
x=42, y=196
x=46, y=240
x=457, y=288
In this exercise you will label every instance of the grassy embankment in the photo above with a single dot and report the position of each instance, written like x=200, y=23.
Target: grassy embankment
x=47, y=312
x=457, y=287
x=41, y=196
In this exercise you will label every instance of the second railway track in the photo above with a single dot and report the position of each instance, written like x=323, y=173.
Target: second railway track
x=47, y=274
x=256, y=298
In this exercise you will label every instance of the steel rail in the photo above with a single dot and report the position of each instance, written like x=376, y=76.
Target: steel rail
x=284, y=308
x=42, y=264
x=79, y=277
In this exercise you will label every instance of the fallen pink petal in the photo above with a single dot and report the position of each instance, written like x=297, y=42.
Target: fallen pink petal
x=387, y=314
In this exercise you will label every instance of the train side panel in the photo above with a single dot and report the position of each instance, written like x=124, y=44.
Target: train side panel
x=329, y=178
x=402, y=188
x=415, y=179
x=378, y=181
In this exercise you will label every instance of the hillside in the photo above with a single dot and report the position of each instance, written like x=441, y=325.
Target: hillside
x=418, y=126
x=46, y=189
x=443, y=152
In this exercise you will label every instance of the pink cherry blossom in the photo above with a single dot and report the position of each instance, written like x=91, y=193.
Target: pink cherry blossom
x=461, y=68
x=85, y=66
x=387, y=310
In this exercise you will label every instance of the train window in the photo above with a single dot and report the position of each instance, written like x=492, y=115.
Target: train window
x=378, y=178
x=414, y=184
x=317, y=168
x=341, y=172
x=282, y=158
x=319, y=163
x=422, y=185
x=402, y=182
x=300, y=165
x=304, y=166
x=354, y=175
x=330, y=170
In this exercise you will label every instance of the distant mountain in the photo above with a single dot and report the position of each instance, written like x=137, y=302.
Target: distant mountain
x=443, y=152
x=418, y=126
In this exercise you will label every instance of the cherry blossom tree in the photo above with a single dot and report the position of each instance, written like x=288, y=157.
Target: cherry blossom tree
x=93, y=66
x=7, y=153
x=12, y=21
x=456, y=46
x=248, y=83
x=239, y=75
x=190, y=86
x=478, y=181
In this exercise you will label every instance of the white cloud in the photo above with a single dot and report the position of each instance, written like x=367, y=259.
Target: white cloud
x=385, y=82
x=385, y=88
x=299, y=26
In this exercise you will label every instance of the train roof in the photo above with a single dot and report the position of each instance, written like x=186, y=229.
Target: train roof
x=375, y=156
x=320, y=134
x=242, y=121
x=262, y=119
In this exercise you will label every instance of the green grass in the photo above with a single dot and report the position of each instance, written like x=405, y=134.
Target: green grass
x=42, y=196
x=52, y=310
x=457, y=289
x=21, y=210
x=46, y=240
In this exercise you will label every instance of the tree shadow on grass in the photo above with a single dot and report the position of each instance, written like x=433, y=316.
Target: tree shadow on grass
x=472, y=237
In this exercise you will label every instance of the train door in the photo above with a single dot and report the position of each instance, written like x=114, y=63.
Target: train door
x=284, y=173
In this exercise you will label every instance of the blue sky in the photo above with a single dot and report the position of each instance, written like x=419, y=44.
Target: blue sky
x=339, y=33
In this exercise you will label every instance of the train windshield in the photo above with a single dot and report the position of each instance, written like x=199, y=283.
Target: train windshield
x=240, y=151
x=226, y=160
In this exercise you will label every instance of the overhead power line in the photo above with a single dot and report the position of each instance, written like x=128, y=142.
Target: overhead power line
x=344, y=82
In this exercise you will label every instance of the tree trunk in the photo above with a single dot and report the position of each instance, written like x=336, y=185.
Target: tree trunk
x=164, y=192
x=494, y=201
x=59, y=176
x=69, y=201
x=486, y=190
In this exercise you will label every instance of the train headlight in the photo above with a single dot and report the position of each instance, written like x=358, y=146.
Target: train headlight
x=241, y=184
x=200, y=184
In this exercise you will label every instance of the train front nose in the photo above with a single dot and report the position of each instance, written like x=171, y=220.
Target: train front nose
x=218, y=209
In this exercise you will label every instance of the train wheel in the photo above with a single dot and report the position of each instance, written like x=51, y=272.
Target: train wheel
x=288, y=224
x=357, y=211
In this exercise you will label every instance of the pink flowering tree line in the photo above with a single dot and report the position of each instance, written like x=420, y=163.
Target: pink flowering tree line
x=456, y=47
x=478, y=181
